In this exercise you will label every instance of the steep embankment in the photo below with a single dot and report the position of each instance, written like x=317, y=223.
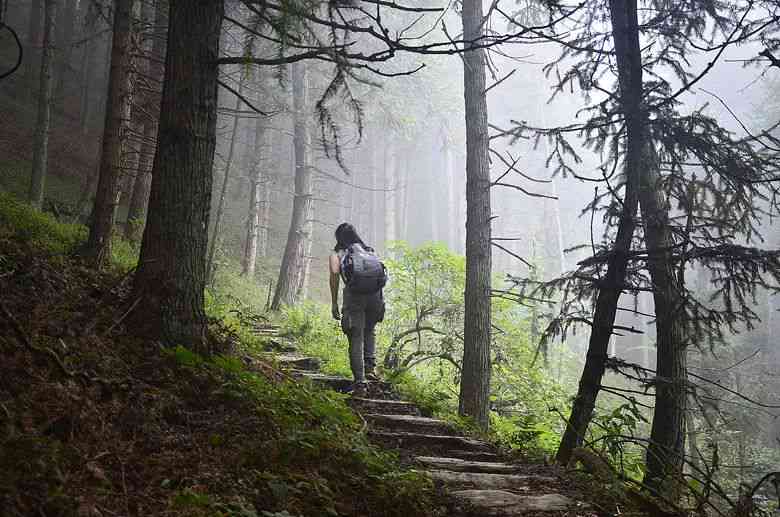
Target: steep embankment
x=94, y=422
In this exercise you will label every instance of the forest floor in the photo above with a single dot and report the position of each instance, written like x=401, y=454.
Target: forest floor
x=97, y=422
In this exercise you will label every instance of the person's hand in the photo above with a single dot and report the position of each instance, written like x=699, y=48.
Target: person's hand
x=334, y=310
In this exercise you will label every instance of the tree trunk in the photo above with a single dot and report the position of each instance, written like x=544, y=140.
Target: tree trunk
x=35, y=44
x=630, y=81
x=65, y=37
x=391, y=191
x=41, y=142
x=210, y=269
x=294, y=259
x=171, y=277
x=666, y=451
x=475, y=376
x=256, y=204
x=98, y=247
x=139, y=199
x=88, y=64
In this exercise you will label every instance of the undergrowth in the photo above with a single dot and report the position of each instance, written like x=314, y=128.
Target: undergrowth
x=96, y=421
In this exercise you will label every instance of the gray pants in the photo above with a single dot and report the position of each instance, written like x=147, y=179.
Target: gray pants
x=359, y=315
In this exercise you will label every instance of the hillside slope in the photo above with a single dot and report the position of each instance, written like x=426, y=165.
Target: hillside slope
x=96, y=422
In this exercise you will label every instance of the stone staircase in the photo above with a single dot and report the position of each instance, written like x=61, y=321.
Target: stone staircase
x=472, y=474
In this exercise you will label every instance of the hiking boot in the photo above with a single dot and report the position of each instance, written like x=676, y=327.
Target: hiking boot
x=359, y=390
x=371, y=376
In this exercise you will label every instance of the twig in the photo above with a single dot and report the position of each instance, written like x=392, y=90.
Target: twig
x=127, y=313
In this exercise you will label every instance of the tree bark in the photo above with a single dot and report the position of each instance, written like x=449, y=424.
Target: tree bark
x=225, y=180
x=88, y=64
x=391, y=191
x=98, y=247
x=294, y=259
x=65, y=37
x=35, y=44
x=171, y=277
x=475, y=376
x=625, y=34
x=139, y=199
x=41, y=143
x=256, y=204
x=666, y=451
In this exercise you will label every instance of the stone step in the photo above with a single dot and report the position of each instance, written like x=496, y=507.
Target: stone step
x=409, y=424
x=296, y=362
x=478, y=456
x=484, y=481
x=384, y=407
x=278, y=346
x=501, y=503
x=427, y=443
x=332, y=382
x=464, y=465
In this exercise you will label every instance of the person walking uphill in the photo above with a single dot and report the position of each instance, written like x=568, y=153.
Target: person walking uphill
x=363, y=306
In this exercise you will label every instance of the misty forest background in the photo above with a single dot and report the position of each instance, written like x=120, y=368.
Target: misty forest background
x=303, y=146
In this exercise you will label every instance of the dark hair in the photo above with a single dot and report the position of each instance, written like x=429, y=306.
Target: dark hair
x=346, y=235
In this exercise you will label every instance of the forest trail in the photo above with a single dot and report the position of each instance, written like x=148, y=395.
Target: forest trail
x=475, y=479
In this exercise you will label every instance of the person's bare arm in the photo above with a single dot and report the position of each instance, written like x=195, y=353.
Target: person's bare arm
x=335, y=268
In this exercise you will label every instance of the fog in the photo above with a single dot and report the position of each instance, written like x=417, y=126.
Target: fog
x=396, y=169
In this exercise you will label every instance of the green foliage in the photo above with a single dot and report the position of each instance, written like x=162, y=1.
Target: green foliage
x=312, y=450
x=319, y=335
x=43, y=232
x=124, y=254
x=610, y=429
x=433, y=398
x=424, y=305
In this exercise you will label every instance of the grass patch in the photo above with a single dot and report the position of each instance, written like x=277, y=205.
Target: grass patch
x=24, y=224
x=318, y=335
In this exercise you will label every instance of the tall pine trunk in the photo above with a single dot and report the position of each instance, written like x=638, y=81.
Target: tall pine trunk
x=88, y=64
x=210, y=268
x=139, y=198
x=666, y=451
x=475, y=376
x=625, y=34
x=257, y=203
x=41, y=139
x=171, y=277
x=391, y=190
x=293, y=266
x=98, y=247
x=35, y=36
x=65, y=37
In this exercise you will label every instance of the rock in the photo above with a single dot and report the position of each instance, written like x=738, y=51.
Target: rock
x=279, y=346
x=462, y=465
x=385, y=407
x=410, y=424
x=486, y=481
x=482, y=481
x=476, y=456
x=427, y=442
x=311, y=364
x=500, y=503
x=333, y=382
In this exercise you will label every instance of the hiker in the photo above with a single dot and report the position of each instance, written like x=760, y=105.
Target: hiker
x=363, y=305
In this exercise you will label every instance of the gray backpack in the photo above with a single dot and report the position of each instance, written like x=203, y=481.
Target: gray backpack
x=362, y=271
